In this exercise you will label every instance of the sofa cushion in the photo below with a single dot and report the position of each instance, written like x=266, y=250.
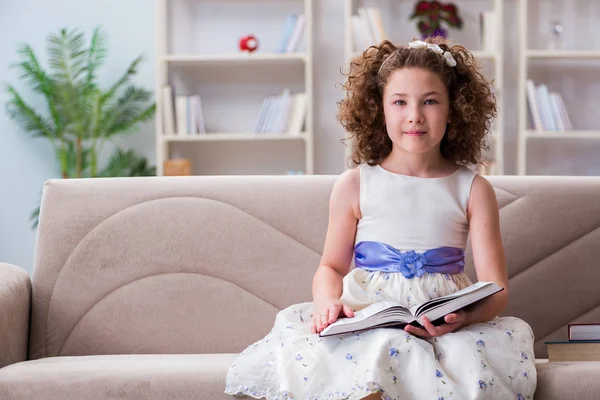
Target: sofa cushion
x=117, y=377
x=567, y=380
x=203, y=377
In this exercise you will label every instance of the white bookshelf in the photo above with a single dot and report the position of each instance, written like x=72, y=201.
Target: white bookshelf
x=187, y=59
x=493, y=61
x=232, y=137
x=532, y=53
x=233, y=58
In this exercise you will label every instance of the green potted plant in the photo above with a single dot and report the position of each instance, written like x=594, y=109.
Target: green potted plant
x=81, y=116
x=432, y=14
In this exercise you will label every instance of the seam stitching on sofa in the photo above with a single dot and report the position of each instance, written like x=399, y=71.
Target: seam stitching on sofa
x=151, y=276
x=506, y=191
x=541, y=260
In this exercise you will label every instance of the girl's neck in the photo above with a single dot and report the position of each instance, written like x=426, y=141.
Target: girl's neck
x=420, y=165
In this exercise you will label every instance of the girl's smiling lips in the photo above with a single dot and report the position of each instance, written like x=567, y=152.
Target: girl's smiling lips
x=415, y=133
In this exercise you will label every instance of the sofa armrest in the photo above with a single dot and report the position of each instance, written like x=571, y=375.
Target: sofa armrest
x=15, y=308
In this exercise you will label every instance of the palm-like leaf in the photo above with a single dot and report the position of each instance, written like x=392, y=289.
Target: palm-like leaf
x=32, y=71
x=126, y=163
x=123, y=80
x=35, y=217
x=126, y=112
x=68, y=59
x=95, y=56
x=25, y=116
x=67, y=56
x=41, y=82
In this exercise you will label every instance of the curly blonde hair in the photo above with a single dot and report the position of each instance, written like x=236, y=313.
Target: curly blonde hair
x=472, y=102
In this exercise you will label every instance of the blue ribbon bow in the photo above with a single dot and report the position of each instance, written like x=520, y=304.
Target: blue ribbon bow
x=377, y=256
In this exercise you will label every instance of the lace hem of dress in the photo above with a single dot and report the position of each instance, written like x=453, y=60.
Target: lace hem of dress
x=356, y=392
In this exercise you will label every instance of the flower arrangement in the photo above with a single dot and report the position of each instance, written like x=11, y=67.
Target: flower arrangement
x=431, y=15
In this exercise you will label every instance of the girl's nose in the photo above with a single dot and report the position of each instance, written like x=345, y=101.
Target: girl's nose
x=416, y=116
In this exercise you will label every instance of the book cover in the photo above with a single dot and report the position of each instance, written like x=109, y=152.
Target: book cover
x=584, y=331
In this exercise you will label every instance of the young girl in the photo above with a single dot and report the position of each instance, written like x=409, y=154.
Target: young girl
x=418, y=115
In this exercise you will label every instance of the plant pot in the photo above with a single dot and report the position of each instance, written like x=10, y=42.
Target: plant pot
x=438, y=32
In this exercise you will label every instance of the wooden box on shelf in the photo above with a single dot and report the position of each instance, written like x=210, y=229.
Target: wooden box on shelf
x=177, y=167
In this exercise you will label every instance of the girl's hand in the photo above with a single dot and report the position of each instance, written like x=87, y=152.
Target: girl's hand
x=453, y=321
x=326, y=312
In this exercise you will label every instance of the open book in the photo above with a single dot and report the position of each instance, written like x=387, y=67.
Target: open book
x=389, y=313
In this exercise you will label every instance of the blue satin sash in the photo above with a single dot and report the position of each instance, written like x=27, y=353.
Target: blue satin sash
x=377, y=256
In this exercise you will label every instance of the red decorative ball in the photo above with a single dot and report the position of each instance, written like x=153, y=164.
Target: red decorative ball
x=248, y=43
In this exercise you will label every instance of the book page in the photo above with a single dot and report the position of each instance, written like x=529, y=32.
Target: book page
x=378, y=314
x=439, y=310
x=369, y=311
x=419, y=308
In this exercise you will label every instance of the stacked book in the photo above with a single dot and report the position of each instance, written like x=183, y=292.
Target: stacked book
x=583, y=344
x=488, y=30
x=547, y=109
x=284, y=113
x=367, y=28
x=293, y=29
x=182, y=115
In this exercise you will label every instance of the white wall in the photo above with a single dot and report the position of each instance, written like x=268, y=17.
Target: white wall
x=25, y=163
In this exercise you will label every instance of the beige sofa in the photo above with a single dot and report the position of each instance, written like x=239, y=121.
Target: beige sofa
x=145, y=288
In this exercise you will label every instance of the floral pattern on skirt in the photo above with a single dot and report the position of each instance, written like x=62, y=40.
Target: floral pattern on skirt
x=492, y=360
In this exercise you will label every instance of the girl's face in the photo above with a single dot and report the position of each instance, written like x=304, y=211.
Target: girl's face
x=416, y=108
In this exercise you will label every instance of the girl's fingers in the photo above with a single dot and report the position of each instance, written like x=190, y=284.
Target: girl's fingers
x=429, y=326
x=348, y=312
x=416, y=331
x=454, y=318
x=323, y=318
x=334, y=311
x=318, y=323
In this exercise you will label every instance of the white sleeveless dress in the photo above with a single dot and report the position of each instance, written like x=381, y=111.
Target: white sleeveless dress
x=493, y=360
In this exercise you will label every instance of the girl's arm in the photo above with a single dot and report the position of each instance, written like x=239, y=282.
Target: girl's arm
x=488, y=251
x=337, y=251
x=488, y=256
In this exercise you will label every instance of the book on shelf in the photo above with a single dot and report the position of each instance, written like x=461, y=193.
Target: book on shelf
x=546, y=108
x=392, y=314
x=284, y=113
x=569, y=351
x=488, y=30
x=293, y=29
x=168, y=110
x=584, y=331
x=367, y=28
x=182, y=114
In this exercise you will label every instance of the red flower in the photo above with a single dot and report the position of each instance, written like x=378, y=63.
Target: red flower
x=431, y=14
x=423, y=6
x=450, y=8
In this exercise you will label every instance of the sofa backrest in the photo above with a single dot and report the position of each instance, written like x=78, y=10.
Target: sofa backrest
x=203, y=264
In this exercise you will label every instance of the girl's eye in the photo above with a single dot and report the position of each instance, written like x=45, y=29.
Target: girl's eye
x=430, y=101
x=400, y=103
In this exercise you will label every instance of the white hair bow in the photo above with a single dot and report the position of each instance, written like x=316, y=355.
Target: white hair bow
x=435, y=48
